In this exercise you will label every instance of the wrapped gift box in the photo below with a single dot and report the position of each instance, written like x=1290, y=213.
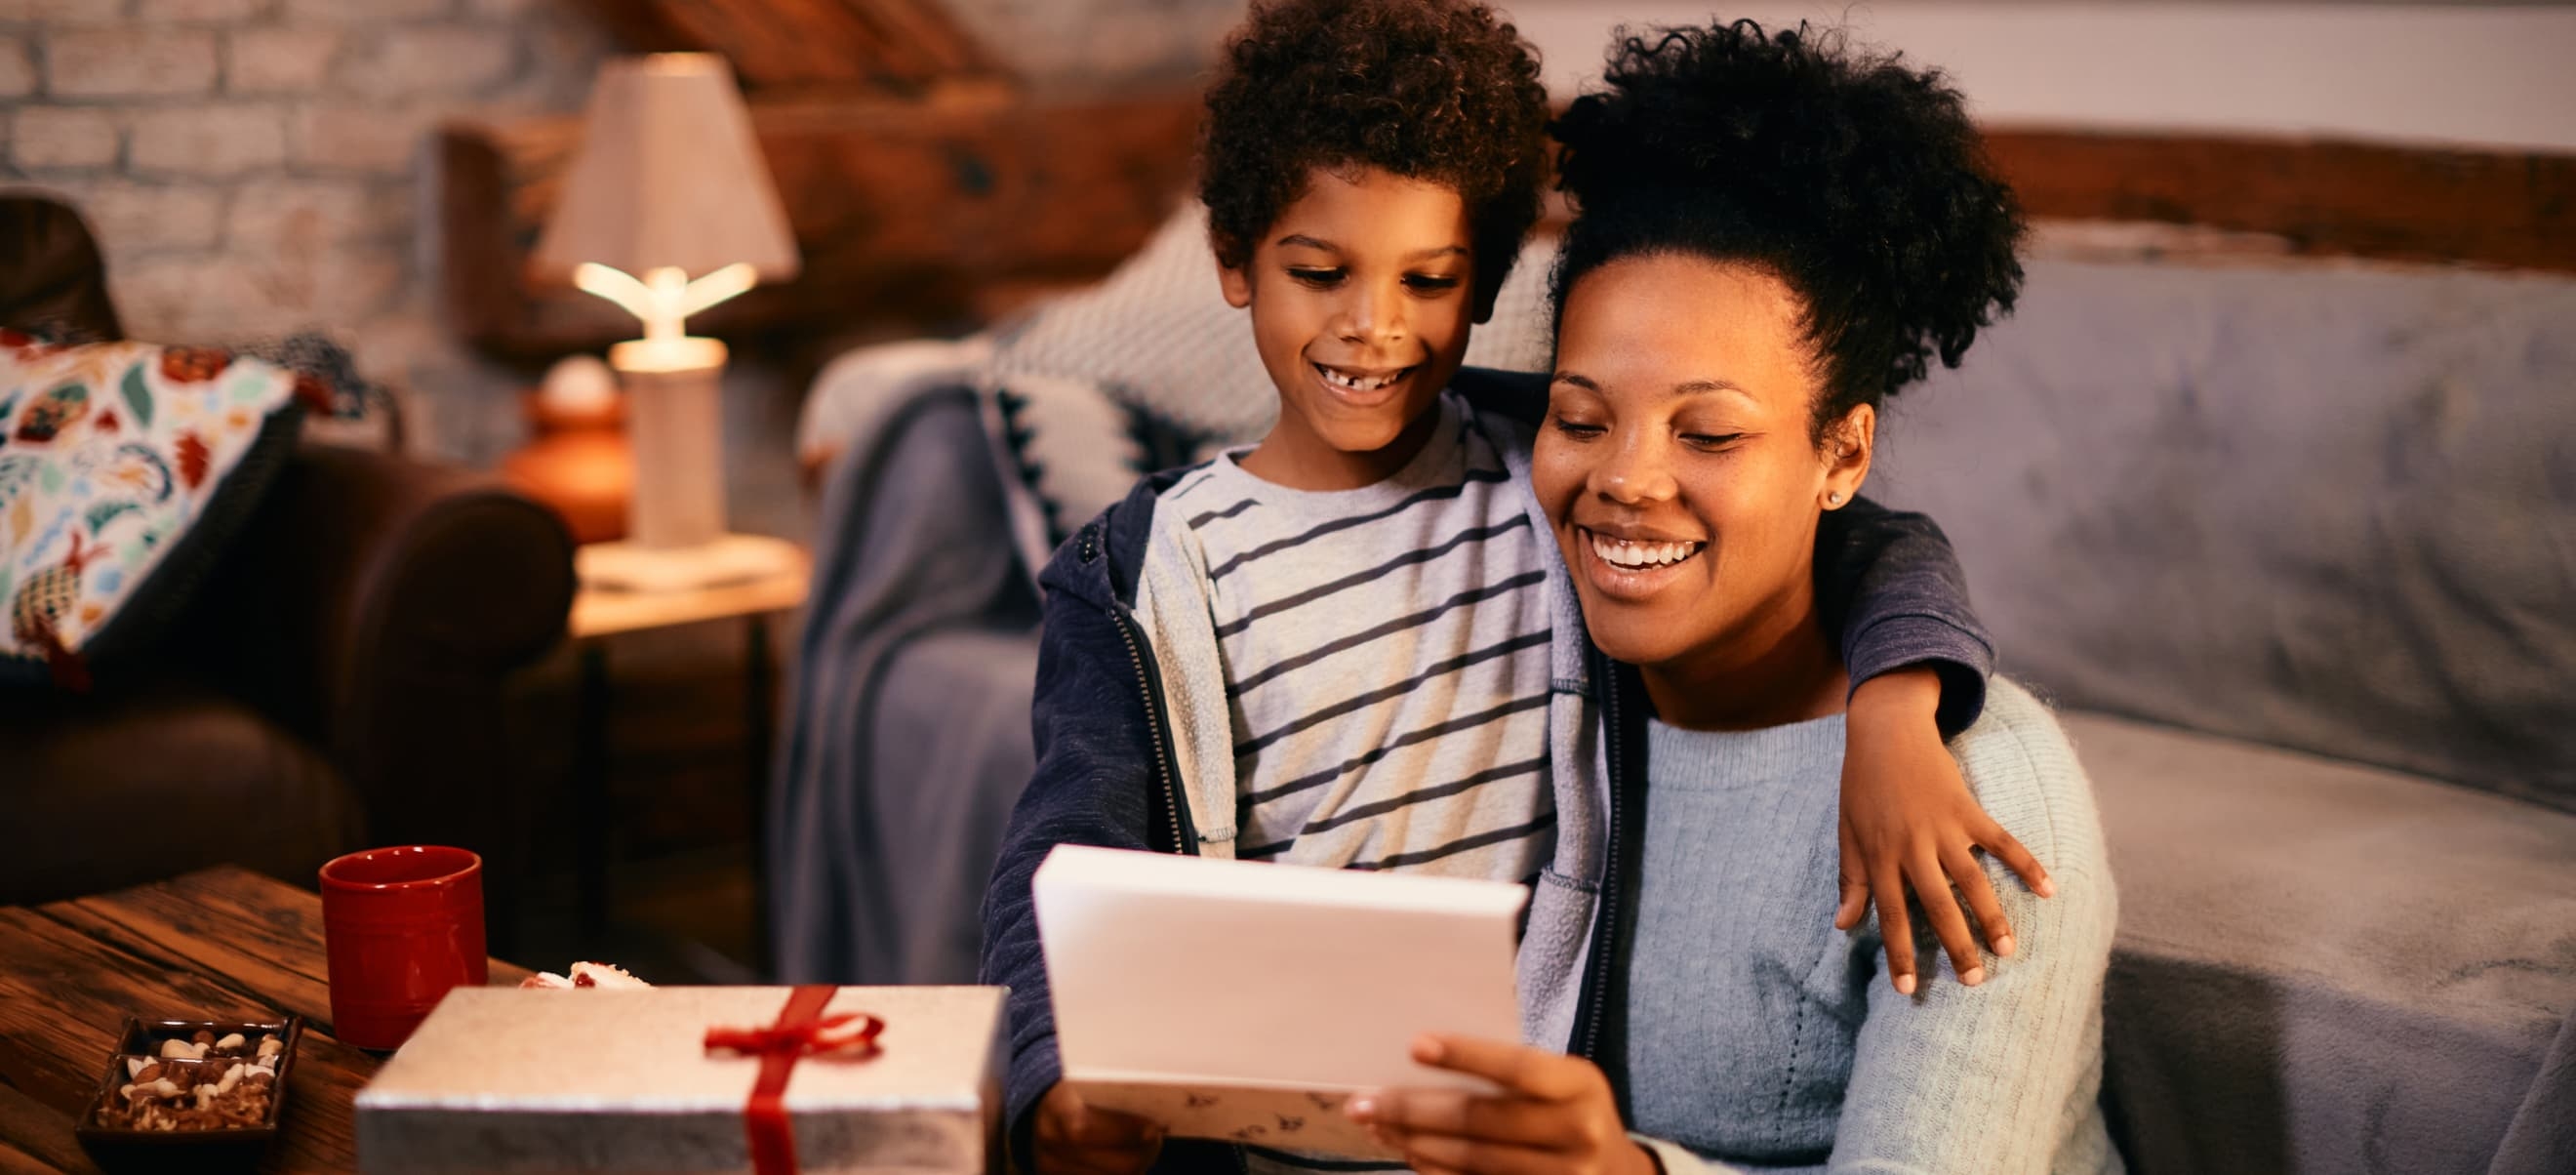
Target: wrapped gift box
x=503, y=1081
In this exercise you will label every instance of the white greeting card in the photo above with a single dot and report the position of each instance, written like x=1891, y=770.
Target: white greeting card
x=1245, y=1001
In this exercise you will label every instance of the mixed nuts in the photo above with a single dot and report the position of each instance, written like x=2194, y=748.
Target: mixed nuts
x=205, y=1082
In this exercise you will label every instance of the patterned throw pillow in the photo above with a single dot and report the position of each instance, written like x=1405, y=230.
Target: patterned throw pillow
x=123, y=469
x=312, y=353
x=1068, y=450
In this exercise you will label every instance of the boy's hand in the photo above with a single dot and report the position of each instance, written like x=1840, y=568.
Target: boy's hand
x=1907, y=816
x=1075, y=1139
x=1555, y=1115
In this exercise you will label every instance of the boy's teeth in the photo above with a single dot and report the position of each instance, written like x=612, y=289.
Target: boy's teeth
x=1358, y=383
x=1629, y=555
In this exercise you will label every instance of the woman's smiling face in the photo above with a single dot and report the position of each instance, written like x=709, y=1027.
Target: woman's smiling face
x=1677, y=464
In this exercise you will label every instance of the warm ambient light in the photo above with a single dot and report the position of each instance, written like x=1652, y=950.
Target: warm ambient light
x=665, y=297
x=670, y=181
x=669, y=175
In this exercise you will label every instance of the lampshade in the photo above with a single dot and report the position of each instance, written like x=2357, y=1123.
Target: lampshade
x=668, y=175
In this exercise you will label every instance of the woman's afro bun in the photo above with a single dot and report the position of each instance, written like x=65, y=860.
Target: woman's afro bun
x=1856, y=180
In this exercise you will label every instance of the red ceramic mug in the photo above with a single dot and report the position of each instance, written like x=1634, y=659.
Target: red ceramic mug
x=401, y=927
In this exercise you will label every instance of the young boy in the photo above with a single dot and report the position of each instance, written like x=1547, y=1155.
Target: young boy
x=1353, y=645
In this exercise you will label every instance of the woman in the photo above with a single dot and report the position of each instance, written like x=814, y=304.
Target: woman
x=1772, y=237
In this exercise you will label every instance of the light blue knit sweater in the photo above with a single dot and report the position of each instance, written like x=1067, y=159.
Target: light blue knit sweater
x=1762, y=1039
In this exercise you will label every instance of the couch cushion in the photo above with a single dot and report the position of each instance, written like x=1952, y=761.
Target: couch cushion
x=151, y=779
x=2323, y=966
x=2322, y=506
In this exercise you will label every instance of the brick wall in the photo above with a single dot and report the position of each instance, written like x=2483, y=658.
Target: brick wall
x=253, y=167
x=256, y=167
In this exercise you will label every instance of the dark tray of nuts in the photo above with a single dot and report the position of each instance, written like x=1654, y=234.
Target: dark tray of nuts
x=194, y=1081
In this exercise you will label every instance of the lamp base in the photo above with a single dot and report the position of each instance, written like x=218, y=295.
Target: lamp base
x=675, y=427
x=726, y=559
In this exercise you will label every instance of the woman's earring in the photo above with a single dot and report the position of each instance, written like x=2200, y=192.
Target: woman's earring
x=1834, y=499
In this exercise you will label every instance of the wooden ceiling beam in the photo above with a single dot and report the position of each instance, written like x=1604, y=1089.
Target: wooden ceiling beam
x=887, y=46
x=2514, y=209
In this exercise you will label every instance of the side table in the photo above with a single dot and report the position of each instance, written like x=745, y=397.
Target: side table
x=601, y=613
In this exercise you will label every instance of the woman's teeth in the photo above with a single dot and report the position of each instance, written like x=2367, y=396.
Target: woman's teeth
x=1628, y=556
x=1359, y=383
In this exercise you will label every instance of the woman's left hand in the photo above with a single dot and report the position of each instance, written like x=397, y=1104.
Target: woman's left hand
x=1554, y=1116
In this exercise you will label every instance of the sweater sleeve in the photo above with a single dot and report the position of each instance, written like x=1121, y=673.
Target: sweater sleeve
x=1092, y=785
x=1998, y=1077
x=1889, y=583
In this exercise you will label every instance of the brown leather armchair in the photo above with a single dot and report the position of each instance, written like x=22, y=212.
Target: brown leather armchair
x=336, y=680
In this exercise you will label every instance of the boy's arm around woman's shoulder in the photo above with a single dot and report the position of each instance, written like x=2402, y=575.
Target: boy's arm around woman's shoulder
x=2004, y=1077
x=1890, y=585
x=1092, y=785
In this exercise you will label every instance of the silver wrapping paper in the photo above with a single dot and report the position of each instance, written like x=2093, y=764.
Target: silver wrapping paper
x=502, y=1081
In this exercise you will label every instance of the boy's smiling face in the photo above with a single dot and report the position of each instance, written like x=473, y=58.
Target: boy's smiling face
x=1362, y=295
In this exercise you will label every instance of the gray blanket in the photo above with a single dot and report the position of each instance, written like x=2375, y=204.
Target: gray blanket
x=907, y=722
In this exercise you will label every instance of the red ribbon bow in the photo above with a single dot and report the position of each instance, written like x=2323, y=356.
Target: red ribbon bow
x=801, y=1031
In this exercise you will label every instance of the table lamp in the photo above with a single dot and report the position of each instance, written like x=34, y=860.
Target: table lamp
x=667, y=210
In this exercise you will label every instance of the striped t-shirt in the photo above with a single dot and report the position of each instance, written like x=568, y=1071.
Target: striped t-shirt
x=1385, y=652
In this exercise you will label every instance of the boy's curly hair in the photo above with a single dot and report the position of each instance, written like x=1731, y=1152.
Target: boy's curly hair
x=1437, y=90
x=1857, y=181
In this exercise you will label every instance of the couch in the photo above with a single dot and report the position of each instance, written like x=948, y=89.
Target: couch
x=334, y=682
x=2293, y=546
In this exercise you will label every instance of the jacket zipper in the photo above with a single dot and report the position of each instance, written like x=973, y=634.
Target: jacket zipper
x=1167, y=773
x=1164, y=771
x=1605, y=928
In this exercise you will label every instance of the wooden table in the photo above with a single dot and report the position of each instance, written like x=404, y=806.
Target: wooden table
x=221, y=944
